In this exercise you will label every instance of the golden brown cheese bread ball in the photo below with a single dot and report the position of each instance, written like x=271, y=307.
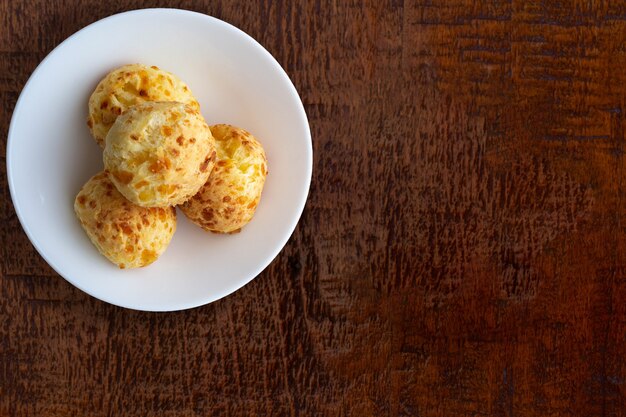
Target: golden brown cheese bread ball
x=228, y=200
x=128, y=235
x=159, y=154
x=130, y=85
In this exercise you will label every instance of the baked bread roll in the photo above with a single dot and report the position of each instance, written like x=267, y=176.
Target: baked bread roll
x=126, y=234
x=130, y=85
x=229, y=198
x=159, y=154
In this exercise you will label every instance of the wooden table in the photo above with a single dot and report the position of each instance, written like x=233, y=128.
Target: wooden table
x=463, y=249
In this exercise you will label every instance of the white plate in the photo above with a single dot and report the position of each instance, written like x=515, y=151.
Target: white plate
x=50, y=154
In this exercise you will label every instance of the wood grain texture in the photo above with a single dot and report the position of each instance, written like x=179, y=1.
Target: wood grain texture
x=462, y=253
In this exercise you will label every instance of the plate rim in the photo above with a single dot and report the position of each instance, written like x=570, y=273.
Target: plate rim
x=303, y=119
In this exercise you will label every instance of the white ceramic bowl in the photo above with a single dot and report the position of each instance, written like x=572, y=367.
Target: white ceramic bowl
x=50, y=154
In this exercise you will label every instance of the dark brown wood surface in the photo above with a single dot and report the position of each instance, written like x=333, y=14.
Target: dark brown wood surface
x=462, y=252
